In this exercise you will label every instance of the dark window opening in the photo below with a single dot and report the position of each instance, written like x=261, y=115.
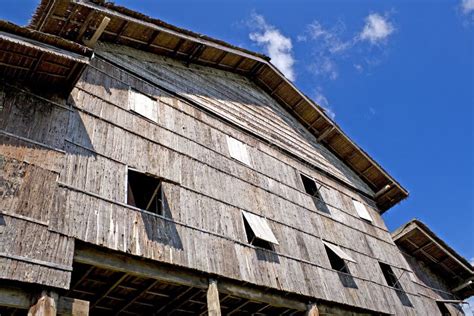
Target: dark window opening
x=443, y=309
x=337, y=263
x=255, y=241
x=310, y=186
x=145, y=192
x=389, y=275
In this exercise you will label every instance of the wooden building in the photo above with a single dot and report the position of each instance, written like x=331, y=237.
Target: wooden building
x=147, y=169
x=443, y=277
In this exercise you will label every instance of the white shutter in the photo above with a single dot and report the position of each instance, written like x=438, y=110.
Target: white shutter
x=339, y=252
x=362, y=211
x=143, y=105
x=238, y=150
x=260, y=227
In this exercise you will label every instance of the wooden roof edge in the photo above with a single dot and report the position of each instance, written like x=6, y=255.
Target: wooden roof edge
x=46, y=40
x=45, y=7
x=402, y=231
x=384, y=201
x=390, y=180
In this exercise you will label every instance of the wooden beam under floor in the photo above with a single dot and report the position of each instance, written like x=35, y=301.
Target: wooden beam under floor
x=115, y=261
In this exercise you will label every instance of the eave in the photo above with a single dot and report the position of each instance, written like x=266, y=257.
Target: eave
x=77, y=20
x=39, y=60
x=418, y=241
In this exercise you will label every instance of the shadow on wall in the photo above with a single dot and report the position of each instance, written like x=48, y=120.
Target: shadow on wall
x=32, y=148
x=162, y=229
x=40, y=141
x=347, y=280
x=234, y=97
x=267, y=255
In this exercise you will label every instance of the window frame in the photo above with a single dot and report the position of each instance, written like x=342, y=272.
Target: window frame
x=157, y=190
x=389, y=275
x=362, y=211
x=243, y=155
x=252, y=236
x=334, y=251
x=132, y=105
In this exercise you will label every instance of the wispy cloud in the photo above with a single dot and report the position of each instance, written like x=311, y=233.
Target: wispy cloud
x=467, y=6
x=276, y=45
x=323, y=102
x=333, y=45
x=377, y=28
x=467, y=10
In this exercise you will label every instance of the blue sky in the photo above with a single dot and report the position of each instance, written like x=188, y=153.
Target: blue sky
x=397, y=75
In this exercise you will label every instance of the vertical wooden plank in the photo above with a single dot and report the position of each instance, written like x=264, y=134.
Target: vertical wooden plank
x=45, y=306
x=312, y=310
x=213, y=304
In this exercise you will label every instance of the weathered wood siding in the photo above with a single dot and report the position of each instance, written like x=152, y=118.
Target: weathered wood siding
x=431, y=287
x=72, y=159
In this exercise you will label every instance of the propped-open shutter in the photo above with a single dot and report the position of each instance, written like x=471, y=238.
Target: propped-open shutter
x=362, y=210
x=238, y=150
x=339, y=252
x=260, y=227
x=143, y=105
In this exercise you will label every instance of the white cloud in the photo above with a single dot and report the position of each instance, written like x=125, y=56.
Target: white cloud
x=276, y=45
x=329, y=38
x=467, y=6
x=377, y=28
x=334, y=45
x=322, y=101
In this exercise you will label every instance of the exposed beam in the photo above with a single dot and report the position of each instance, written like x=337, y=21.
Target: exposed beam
x=255, y=69
x=237, y=308
x=220, y=58
x=178, y=46
x=383, y=191
x=84, y=26
x=110, y=289
x=325, y=134
x=260, y=296
x=176, y=301
x=135, y=266
x=98, y=32
x=122, y=30
x=66, y=22
x=140, y=294
x=277, y=87
x=236, y=66
x=152, y=38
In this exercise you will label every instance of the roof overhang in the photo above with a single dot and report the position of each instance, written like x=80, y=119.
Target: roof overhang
x=77, y=20
x=41, y=60
x=418, y=241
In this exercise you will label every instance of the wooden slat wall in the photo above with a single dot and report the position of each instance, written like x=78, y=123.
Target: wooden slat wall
x=238, y=100
x=31, y=142
x=87, y=144
x=205, y=190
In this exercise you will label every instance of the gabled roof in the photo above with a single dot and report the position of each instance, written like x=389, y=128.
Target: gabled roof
x=42, y=59
x=77, y=20
x=417, y=240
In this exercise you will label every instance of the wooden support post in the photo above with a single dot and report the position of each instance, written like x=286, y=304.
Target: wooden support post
x=45, y=305
x=213, y=304
x=312, y=310
x=98, y=32
x=72, y=307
